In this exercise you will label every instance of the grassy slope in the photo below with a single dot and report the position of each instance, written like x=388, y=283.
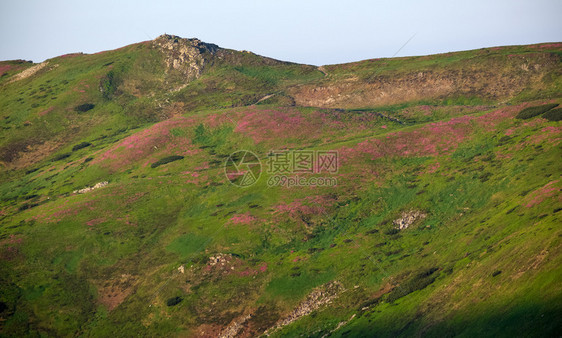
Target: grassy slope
x=105, y=262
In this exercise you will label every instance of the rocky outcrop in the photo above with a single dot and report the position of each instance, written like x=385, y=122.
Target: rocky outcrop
x=29, y=72
x=220, y=259
x=408, y=218
x=188, y=56
x=322, y=295
x=88, y=189
x=235, y=326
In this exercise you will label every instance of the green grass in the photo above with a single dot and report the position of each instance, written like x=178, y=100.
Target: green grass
x=188, y=244
x=490, y=203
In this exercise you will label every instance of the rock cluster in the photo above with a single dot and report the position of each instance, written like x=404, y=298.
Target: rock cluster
x=29, y=72
x=88, y=189
x=232, y=330
x=322, y=295
x=219, y=259
x=408, y=218
x=188, y=56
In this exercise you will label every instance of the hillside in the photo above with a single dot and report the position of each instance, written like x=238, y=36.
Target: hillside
x=440, y=215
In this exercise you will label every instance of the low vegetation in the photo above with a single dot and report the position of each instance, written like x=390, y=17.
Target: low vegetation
x=531, y=112
x=84, y=107
x=166, y=160
x=553, y=115
x=418, y=282
x=175, y=249
x=81, y=145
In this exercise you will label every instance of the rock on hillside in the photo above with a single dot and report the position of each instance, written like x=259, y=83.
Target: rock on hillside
x=189, y=56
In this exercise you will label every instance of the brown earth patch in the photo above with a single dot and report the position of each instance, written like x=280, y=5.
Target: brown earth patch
x=383, y=290
x=113, y=292
x=24, y=153
x=208, y=331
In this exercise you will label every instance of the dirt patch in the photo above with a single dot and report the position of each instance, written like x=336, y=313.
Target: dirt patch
x=533, y=264
x=26, y=153
x=208, y=331
x=113, y=292
x=383, y=290
x=263, y=99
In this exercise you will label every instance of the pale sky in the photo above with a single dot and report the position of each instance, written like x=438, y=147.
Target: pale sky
x=305, y=31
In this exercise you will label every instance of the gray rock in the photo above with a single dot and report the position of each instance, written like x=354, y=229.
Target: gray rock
x=188, y=56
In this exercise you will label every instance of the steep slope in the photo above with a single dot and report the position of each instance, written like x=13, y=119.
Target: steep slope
x=442, y=218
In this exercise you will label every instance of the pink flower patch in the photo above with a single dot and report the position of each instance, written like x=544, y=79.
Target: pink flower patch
x=4, y=69
x=269, y=126
x=433, y=139
x=549, y=190
x=550, y=134
x=146, y=142
x=434, y=168
x=311, y=205
x=245, y=219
